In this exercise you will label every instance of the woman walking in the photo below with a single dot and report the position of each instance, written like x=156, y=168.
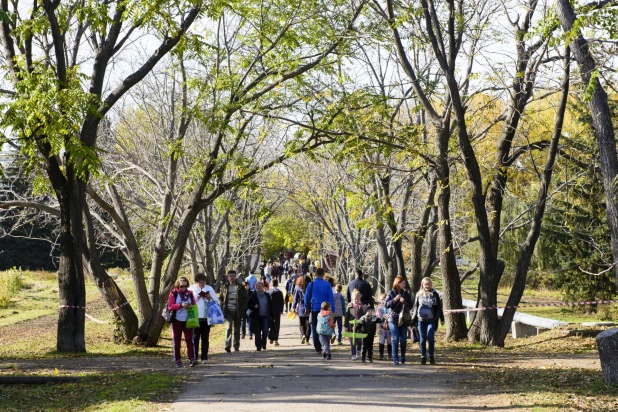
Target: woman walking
x=298, y=306
x=427, y=311
x=179, y=300
x=398, y=300
x=203, y=295
x=261, y=307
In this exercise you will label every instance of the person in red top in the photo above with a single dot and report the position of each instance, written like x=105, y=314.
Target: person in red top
x=179, y=300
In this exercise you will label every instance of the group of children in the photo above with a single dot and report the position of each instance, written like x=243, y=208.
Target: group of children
x=362, y=323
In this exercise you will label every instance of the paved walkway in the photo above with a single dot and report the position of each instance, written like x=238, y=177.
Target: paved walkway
x=292, y=377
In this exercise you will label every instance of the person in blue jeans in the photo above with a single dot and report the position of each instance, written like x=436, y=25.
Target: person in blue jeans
x=338, y=312
x=261, y=315
x=397, y=300
x=427, y=311
x=318, y=291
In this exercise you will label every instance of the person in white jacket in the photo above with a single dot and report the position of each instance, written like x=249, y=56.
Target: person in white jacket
x=203, y=294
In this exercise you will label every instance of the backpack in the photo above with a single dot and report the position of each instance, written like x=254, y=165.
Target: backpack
x=323, y=327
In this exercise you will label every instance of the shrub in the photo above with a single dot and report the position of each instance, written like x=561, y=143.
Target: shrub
x=10, y=284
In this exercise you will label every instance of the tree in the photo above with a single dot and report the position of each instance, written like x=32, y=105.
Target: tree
x=46, y=67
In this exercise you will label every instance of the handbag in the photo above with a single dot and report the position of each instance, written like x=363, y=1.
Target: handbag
x=168, y=315
x=405, y=319
x=415, y=336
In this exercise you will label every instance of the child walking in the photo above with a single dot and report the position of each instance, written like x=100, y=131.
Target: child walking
x=326, y=323
x=355, y=311
x=384, y=333
x=338, y=312
x=369, y=321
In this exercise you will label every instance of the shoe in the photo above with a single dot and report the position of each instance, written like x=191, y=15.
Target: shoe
x=403, y=360
x=178, y=364
x=423, y=361
x=302, y=340
x=276, y=343
x=271, y=341
x=353, y=357
x=228, y=350
x=319, y=351
x=389, y=357
x=263, y=347
x=204, y=361
x=324, y=355
x=235, y=349
x=370, y=360
x=250, y=337
x=332, y=340
x=381, y=357
x=242, y=336
x=328, y=357
x=363, y=360
x=308, y=341
x=339, y=343
x=395, y=362
x=193, y=363
x=432, y=361
x=258, y=349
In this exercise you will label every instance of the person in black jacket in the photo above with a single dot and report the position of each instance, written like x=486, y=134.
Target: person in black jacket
x=260, y=305
x=398, y=300
x=276, y=297
x=363, y=287
x=427, y=310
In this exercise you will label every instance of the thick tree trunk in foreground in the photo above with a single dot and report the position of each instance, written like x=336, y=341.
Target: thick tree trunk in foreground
x=607, y=342
x=601, y=120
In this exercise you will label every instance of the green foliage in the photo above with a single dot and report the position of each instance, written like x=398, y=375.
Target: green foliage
x=10, y=284
x=288, y=231
x=48, y=112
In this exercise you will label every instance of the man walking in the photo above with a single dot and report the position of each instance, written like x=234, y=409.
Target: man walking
x=363, y=287
x=317, y=292
x=233, y=300
x=276, y=297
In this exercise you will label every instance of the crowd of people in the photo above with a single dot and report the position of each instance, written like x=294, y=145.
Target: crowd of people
x=323, y=313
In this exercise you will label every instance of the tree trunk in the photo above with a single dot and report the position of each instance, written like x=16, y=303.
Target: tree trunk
x=113, y=296
x=418, y=238
x=455, y=322
x=71, y=287
x=601, y=120
x=527, y=249
x=607, y=342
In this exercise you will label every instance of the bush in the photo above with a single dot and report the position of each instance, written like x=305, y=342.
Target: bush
x=10, y=284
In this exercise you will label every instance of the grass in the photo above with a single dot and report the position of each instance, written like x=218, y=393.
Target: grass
x=10, y=285
x=95, y=392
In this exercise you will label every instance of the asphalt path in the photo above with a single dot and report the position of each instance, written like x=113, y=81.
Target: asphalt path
x=293, y=377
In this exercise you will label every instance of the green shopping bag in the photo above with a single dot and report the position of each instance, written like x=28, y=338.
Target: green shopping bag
x=193, y=320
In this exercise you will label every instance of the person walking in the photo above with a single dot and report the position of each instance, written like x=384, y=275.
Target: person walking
x=246, y=322
x=202, y=294
x=179, y=300
x=260, y=307
x=398, y=300
x=363, y=287
x=384, y=333
x=355, y=311
x=325, y=327
x=289, y=294
x=233, y=300
x=338, y=313
x=276, y=296
x=251, y=280
x=427, y=311
x=298, y=306
x=318, y=291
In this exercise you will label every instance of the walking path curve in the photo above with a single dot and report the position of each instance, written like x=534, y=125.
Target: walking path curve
x=292, y=377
